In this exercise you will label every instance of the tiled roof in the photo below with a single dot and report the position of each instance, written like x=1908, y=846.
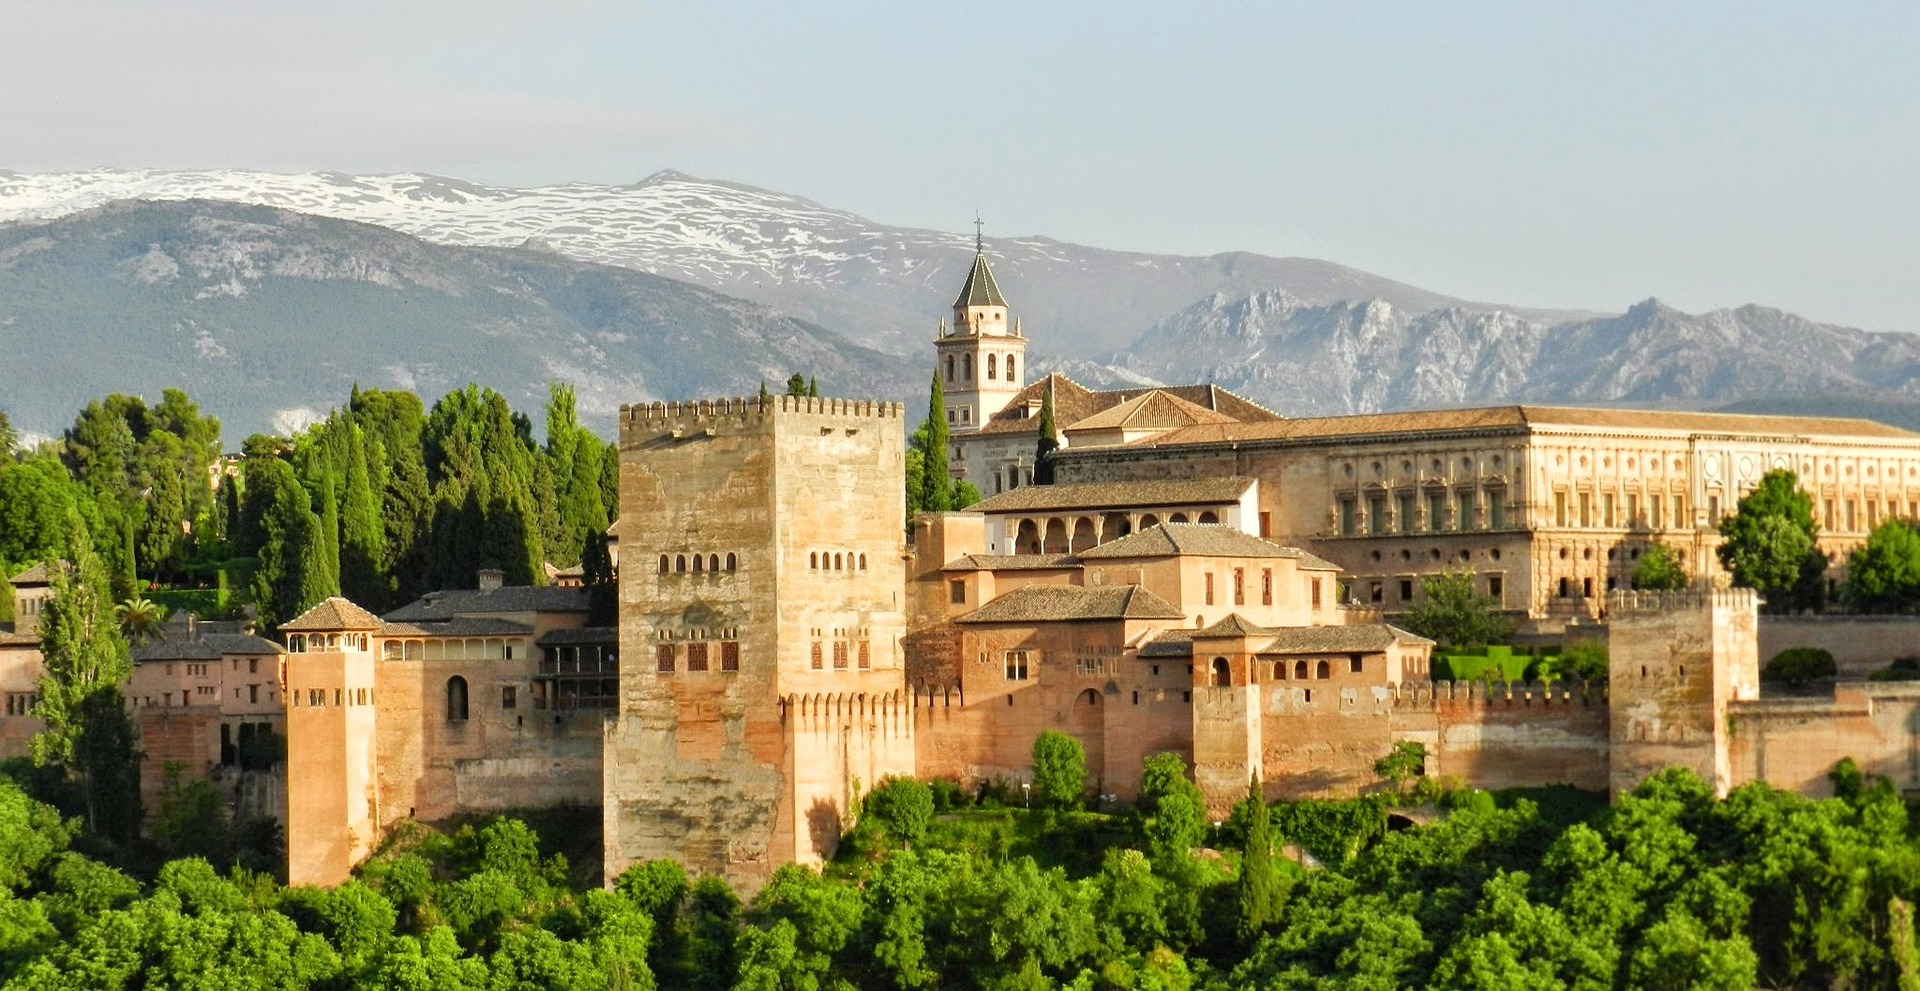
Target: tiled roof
x=1521, y=418
x=1011, y=562
x=512, y=598
x=1074, y=403
x=980, y=289
x=36, y=575
x=1232, y=626
x=1158, y=409
x=580, y=634
x=206, y=645
x=457, y=627
x=1171, y=643
x=1200, y=539
x=1117, y=495
x=1055, y=603
x=1339, y=639
x=334, y=613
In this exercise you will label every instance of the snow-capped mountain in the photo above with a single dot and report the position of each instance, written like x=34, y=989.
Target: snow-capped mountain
x=1307, y=359
x=884, y=286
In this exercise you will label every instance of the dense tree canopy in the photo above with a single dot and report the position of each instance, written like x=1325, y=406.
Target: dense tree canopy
x=1884, y=575
x=1768, y=544
x=1451, y=613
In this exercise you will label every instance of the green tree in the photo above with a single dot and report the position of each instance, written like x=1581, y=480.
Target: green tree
x=1059, y=770
x=1454, y=615
x=192, y=819
x=1884, y=575
x=936, y=492
x=1799, y=665
x=1584, y=659
x=964, y=494
x=9, y=437
x=87, y=733
x=362, y=535
x=813, y=387
x=290, y=577
x=1259, y=887
x=1768, y=544
x=1405, y=760
x=904, y=806
x=1049, y=441
x=1659, y=570
x=797, y=385
x=141, y=620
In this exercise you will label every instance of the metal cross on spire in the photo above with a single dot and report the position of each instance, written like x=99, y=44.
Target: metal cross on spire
x=979, y=241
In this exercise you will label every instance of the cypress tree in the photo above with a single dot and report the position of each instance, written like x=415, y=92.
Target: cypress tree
x=1259, y=888
x=813, y=387
x=322, y=576
x=596, y=569
x=936, y=492
x=87, y=732
x=1049, y=440
x=610, y=480
x=285, y=583
x=362, y=540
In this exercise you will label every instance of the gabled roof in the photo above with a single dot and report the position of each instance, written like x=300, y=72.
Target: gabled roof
x=1073, y=403
x=206, y=646
x=1117, y=495
x=1199, y=539
x=1340, y=639
x=36, y=575
x=1011, y=562
x=458, y=627
x=980, y=289
x=332, y=614
x=1155, y=410
x=1058, y=603
x=435, y=606
x=1232, y=626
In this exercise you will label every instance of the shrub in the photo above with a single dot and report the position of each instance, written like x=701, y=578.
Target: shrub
x=948, y=795
x=1583, y=659
x=1798, y=665
x=904, y=806
x=1059, y=770
x=1902, y=669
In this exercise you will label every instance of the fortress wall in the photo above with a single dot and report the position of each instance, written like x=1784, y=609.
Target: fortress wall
x=1792, y=743
x=838, y=747
x=1860, y=645
x=185, y=737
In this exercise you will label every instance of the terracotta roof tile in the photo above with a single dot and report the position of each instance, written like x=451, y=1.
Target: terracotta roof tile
x=457, y=627
x=1158, y=409
x=511, y=598
x=1199, y=539
x=1232, y=626
x=1339, y=639
x=334, y=613
x=1117, y=495
x=1073, y=403
x=1062, y=603
x=36, y=575
x=207, y=645
x=1011, y=562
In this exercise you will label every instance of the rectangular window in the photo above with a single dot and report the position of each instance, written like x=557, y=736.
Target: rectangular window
x=253, y=694
x=1633, y=509
x=1586, y=509
x=336, y=698
x=1346, y=516
x=1239, y=586
x=316, y=697
x=1266, y=588
x=1353, y=664
x=1406, y=590
x=253, y=665
x=839, y=655
x=1266, y=523
x=1314, y=586
x=1559, y=509
x=1463, y=502
x=1437, y=513
x=730, y=655
x=816, y=661
x=957, y=592
x=1680, y=518
x=1406, y=512
x=663, y=658
x=1376, y=515
x=509, y=697
x=1375, y=593
x=696, y=657
x=1606, y=510
x=866, y=656
x=1713, y=510
x=1494, y=587
x=1654, y=517
x=1873, y=514
x=1016, y=665
x=1209, y=577
x=1852, y=523
x=1496, y=509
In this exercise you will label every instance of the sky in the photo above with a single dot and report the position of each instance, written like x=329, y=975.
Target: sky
x=1552, y=155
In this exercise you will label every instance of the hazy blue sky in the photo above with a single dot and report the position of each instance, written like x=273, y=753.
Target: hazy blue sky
x=1708, y=153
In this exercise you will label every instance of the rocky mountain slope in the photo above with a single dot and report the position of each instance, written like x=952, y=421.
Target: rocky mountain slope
x=1307, y=359
x=267, y=316
x=884, y=286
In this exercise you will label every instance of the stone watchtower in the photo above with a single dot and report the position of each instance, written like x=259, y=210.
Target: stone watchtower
x=333, y=815
x=762, y=684
x=980, y=361
x=1675, y=662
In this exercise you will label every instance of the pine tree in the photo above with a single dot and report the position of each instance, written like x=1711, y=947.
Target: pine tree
x=797, y=385
x=1049, y=440
x=1260, y=888
x=936, y=493
x=87, y=732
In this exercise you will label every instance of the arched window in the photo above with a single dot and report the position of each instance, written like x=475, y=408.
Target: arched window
x=665, y=566
x=966, y=367
x=456, y=699
x=949, y=368
x=1222, y=673
x=993, y=366
x=1209, y=517
x=813, y=561
x=1324, y=670
x=1090, y=697
x=1177, y=518
x=680, y=564
x=713, y=562
x=697, y=563
x=1279, y=670
x=863, y=562
x=1010, y=375
x=1300, y=670
x=836, y=562
x=732, y=563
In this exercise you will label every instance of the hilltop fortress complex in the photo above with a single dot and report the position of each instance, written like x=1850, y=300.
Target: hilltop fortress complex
x=1203, y=577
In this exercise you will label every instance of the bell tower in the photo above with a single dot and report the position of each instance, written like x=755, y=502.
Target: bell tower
x=981, y=360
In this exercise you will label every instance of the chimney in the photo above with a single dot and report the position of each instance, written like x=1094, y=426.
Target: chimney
x=192, y=624
x=491, y=579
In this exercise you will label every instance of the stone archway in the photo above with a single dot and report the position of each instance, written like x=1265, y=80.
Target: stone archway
x=1056, y=539
x=1083, y=535
x=1026, y=539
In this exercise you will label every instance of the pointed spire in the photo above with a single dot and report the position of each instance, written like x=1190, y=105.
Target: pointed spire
x=980, y=289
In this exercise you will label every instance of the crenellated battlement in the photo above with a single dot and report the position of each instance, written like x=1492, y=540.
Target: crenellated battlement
x=1417, y=695
x=1624, y=602
x=827, y=711
x=658, y=415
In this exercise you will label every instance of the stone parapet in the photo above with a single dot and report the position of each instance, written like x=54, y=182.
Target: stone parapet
x=1625, y=602
x=1415, y=695
x=654, y=416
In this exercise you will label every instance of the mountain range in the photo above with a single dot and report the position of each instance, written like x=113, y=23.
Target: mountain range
x=677, y=286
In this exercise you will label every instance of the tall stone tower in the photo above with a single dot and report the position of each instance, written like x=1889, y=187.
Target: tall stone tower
x=980, y=360
x=762, y=684
x=333, y=819
x=1675, y=661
